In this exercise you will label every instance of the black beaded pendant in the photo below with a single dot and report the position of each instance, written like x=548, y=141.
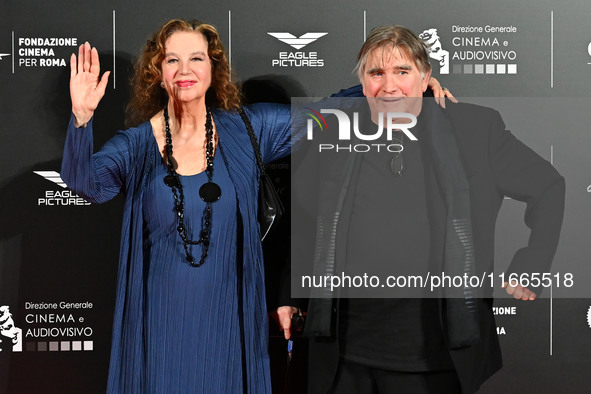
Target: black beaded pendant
x=209, y=192
x=171, y=181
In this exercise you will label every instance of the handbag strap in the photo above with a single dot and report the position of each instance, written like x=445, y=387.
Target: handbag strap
x=253, y=141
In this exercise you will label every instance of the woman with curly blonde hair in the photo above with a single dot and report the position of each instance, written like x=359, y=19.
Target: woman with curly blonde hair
x=190, y=314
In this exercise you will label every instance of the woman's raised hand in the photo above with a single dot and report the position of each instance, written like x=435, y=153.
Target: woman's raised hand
x=86, y=90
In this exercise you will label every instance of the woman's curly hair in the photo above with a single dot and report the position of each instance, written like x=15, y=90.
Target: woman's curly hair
x=148, y=97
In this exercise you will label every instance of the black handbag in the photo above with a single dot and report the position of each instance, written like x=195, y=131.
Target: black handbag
x=270, y=206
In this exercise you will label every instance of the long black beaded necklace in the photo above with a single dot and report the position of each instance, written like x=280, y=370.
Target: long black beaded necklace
x=209, y=192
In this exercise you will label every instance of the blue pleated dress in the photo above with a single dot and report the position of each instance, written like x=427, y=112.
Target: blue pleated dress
x=193, y=341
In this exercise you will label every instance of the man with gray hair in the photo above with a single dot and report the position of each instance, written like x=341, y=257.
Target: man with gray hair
x=433, y=204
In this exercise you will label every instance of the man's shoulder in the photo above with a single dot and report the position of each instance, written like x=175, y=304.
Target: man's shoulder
x=455, y=110
x=473, y=119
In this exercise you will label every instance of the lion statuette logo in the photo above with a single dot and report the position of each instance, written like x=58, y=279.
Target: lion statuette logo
x=8, y=330
x=436, y=52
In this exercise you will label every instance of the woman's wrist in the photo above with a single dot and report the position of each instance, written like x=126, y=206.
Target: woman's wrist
x=81, y=120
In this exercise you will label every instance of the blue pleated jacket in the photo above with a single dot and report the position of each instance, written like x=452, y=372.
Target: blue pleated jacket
x=123, y=165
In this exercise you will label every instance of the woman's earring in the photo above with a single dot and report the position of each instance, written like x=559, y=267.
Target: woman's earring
x=162, y=83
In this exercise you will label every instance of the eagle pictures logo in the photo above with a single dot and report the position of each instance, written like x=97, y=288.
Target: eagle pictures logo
x=61, y=197
x=298, y=58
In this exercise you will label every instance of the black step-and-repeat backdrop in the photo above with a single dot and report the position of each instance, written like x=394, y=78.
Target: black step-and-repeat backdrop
x=58, y=254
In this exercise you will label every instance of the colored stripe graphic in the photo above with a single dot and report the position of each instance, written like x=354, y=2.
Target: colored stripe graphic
x=316, y=119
